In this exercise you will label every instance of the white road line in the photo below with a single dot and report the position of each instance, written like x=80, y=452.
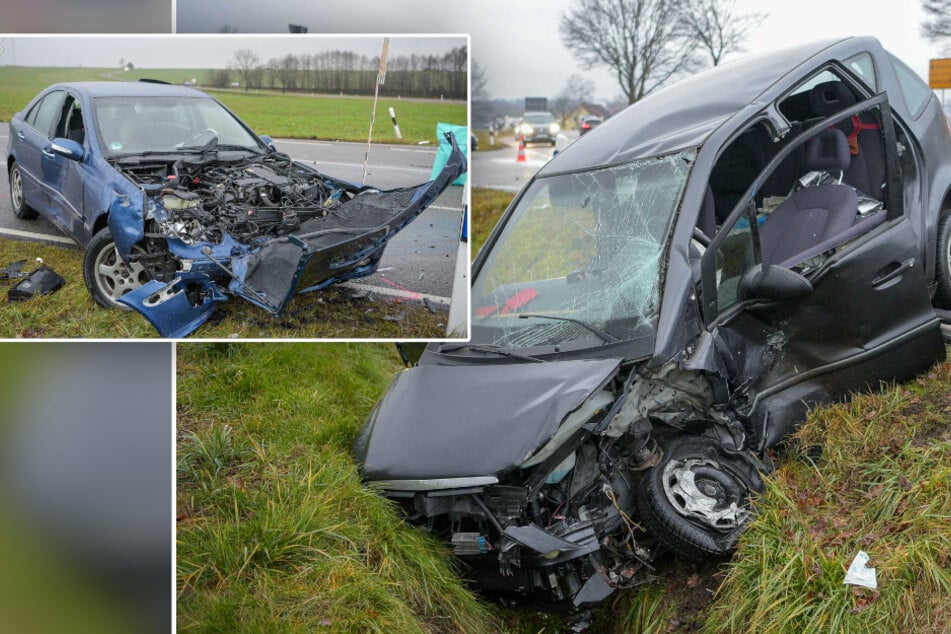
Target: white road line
x=442, y=208
x=325, y=143
x=37, y=236
x=395, y=292
x=401, y=149
x=380, y=146
x=376, y=167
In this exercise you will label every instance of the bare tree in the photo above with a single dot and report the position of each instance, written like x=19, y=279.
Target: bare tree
x=577, y=90
x=287, y=69
x=273, y=67
x=246, y=62
x=478, y=81
x=937, y=25
x=641, y=41
x=482, y=109
x=716, y=28
x=219, y=78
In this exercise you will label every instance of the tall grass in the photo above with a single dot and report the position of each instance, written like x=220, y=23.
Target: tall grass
x=487, y=207
x=882, y=484
x=277, y=535
x=275, y=532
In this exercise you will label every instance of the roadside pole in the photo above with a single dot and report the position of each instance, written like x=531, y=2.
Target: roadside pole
x=380, y=78
x=457, y=322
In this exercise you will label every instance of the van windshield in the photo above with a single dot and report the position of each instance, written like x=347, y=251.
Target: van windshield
x=580, y=247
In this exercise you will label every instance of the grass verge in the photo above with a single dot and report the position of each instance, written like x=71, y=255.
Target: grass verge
x=71, y=312
x=485, y=146
x=872, y=475
x=276, y=534
x=487, y=207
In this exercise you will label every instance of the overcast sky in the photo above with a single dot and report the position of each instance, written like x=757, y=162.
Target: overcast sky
x=517, y=41
x=197, y=51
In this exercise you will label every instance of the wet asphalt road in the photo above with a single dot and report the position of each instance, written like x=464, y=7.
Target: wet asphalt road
x=419, y=261
x=499, y=170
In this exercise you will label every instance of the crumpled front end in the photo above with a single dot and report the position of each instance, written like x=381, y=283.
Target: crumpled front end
x=513, y=482
x=558, y=482
x=264, y=230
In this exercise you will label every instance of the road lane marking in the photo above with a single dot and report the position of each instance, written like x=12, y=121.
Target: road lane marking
x=401, y=149
x=324, y=143
x=37, y=236
x=376, y=167
x=397, y=292
x=380, y=146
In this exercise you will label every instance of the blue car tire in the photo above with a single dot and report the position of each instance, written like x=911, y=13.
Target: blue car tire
x=17, y=197
x=107, y=277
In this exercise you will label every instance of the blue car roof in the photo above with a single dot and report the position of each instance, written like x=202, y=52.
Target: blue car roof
x=129, y=89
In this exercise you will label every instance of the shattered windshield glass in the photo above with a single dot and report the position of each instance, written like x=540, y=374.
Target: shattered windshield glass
x=132, y=125
x=580, y=257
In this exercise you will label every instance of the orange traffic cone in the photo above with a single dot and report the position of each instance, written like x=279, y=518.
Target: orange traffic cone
x=521, y=149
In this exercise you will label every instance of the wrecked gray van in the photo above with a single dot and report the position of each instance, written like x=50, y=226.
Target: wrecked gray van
x=661, y=305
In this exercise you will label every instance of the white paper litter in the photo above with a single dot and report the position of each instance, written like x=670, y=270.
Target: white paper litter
x=859, y=575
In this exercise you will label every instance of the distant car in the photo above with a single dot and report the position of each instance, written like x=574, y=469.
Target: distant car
x=588, y=123
x=537, y=127
x=474, y=142
x=178, y=203
x=660, y=307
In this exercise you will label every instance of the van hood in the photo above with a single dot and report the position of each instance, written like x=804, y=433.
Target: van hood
x=439, y=422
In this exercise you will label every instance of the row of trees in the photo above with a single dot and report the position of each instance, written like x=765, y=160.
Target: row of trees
x=647, y=43
x=337, y=71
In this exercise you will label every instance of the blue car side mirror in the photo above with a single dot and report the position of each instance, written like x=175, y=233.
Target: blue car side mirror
x=67, y=148
x=268, y=141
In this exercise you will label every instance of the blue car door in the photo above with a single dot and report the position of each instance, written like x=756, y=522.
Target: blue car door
x=32, y=138
x=65, y=177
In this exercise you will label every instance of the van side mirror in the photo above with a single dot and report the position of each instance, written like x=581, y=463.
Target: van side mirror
x=773, y=283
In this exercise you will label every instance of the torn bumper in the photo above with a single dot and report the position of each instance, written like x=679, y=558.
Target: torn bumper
x=322, y=252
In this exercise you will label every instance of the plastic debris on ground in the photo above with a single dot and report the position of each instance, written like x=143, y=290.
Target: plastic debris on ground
x=42, y=281
x=13, y=272
x=860, y=575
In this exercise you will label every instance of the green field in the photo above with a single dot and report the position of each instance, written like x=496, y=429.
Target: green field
x=298, y=116
x=71, y=312
x=276, y=534
x=344, y=119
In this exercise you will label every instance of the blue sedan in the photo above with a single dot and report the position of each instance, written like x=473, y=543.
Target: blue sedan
x=180, y=205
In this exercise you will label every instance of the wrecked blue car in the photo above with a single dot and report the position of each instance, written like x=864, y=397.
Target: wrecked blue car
x=180, y=205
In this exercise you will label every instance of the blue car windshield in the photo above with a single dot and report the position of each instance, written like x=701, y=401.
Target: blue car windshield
x=580, y=247
x=135, y=125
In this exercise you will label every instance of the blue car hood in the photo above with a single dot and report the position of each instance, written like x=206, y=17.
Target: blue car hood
x=323, y=251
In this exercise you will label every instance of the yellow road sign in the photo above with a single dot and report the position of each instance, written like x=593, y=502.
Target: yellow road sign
x=939, y=73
